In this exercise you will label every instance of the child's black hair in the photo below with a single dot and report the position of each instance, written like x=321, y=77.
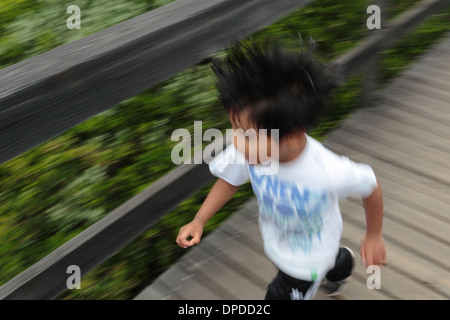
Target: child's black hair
x=281, y=89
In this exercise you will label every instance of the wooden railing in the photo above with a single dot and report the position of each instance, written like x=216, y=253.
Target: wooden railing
x=46, y=95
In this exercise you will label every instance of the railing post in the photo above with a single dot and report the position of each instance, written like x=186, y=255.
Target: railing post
x=372, y=74
x=370, y=81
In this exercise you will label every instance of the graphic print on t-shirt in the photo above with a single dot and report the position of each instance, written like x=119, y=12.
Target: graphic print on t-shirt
x=293, y=208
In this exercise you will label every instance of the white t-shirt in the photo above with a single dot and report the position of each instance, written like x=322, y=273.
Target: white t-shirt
x=299, y=215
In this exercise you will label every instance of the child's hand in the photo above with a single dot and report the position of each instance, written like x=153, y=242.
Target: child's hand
x=373, y=251
x=193, y=229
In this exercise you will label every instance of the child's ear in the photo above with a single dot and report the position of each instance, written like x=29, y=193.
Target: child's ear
x=296, y=136
x=300, y=134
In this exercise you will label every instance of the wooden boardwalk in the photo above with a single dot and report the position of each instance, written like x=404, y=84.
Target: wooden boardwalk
x=405, y=137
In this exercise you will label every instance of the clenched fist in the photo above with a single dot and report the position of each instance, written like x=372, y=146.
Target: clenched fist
x=193, y=230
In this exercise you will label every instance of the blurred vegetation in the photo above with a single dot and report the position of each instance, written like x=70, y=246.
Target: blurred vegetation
x=58, y=189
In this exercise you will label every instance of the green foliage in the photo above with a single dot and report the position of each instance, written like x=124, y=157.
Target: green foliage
x=78, y=202
x=54, y=191
x=32, y=27
x=335, y=26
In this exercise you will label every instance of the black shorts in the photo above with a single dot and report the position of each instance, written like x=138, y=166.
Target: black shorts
x=285, y=287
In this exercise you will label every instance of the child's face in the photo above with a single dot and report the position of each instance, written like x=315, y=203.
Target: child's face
x=256, y=146
x=261, y=147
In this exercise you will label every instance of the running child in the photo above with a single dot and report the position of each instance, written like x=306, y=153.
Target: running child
x=284, y=92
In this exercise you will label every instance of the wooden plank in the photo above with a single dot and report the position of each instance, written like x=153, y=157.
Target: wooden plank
x=412, y=194
x=415, y=189
x=430, y=96
x=398, y=279
x=421, y=124
x=357, y=290
x=377, y=132
x=392, y=155
x=403, y=261
x=235, y=243
x=404, y=129
x=186, y=286
x=223, y=276
x=243, y=261
x=439, y=68
x=196, y=267
x=421, y=91
x=250, y=238
x=408, y=238
x=416, y=219
x=158, y=291
x=394, y=100
x=418, y=203
x=438, y=81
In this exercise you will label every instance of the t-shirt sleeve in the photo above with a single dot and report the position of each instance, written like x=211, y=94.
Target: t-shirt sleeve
x=352, y=178
x=231, y=166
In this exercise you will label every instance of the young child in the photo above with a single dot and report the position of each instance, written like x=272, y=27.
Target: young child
x=266, y=87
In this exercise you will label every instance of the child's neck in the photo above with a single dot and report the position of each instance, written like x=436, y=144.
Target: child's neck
x=293, y=148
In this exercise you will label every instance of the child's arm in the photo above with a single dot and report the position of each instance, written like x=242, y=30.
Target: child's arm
x=220, y=193
x=373, y=251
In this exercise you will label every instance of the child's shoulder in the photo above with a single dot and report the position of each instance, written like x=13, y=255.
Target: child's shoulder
x=323, y=154
x=318, y=148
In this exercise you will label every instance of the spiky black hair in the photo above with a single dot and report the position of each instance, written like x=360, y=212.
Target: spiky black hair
x=281, y=89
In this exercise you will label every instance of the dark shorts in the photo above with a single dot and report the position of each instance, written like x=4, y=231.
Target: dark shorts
x=285, y=287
